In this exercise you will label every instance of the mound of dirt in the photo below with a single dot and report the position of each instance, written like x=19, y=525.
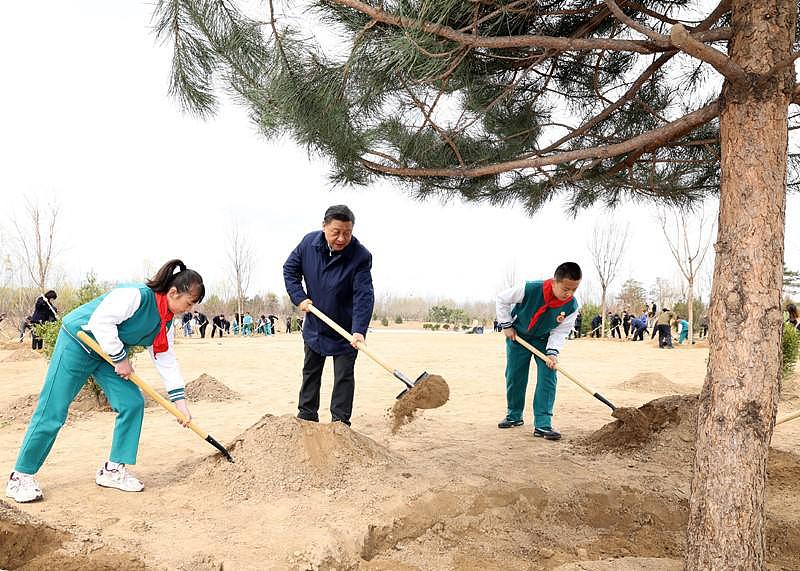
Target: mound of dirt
x=27, y=543
x=669, y=420
x=11, y=345
x=22, y=354
x=20, y=410
x=431, y=392
x=651, y=383
x=88, y=401
x=206, y=387
x=286, y=453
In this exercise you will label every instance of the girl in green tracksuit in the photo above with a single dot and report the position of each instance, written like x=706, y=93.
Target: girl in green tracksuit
x=542, y=313
x=128, y=315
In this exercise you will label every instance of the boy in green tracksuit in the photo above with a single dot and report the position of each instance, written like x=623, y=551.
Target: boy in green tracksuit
x=542, y=313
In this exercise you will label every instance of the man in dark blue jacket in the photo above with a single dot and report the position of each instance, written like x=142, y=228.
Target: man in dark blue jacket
x=337, y=273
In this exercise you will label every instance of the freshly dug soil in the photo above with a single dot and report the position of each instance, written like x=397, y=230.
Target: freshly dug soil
x=286, y=453
x=431, y=392
x=26, y=543
x=87, y=401
x=672, y=418
x=651, y=383
x=205, y=387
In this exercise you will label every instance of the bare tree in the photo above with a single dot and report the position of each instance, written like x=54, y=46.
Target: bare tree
x=689, y=248
x=240, y=257
x=36, y=239
x=606, y=248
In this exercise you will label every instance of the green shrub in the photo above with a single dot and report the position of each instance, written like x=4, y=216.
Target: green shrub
x=385, y=321
x=427, y=325
x=436, y=326
x=446, y=326
x=398, y=319
x=790, y=344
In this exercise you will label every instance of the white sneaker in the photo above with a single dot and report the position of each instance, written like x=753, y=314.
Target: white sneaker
x=23, y=488
x=118, y=478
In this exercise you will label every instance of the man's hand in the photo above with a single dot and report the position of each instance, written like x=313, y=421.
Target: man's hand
x=357, y=338
x=552, y=361
x=511, y=333
x=124, y=368
x=184, y=409
x=303, y=305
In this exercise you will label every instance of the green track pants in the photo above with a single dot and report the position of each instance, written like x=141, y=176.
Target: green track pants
x=518, y=362
x=70, y=366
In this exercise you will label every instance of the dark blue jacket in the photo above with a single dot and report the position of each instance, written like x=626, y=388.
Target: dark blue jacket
x=339, y=284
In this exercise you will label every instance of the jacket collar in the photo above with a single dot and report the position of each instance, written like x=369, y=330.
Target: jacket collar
x=322, y=245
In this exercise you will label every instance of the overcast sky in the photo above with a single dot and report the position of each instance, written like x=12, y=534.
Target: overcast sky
x=85, y=117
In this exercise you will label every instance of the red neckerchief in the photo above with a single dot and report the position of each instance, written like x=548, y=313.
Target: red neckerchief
x=550, y=301
x=160, y=344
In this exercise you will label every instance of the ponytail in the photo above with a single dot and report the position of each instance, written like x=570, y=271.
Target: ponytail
x=185, y=280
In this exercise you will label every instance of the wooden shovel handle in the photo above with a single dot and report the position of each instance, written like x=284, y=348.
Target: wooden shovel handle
x=543, y=357
x=344, y=333
x=146, y=388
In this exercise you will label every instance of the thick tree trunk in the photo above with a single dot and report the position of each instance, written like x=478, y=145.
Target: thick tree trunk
x=738, y=401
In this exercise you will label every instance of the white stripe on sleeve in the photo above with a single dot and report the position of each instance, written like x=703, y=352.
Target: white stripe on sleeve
x=506, y=300
x=120, y=304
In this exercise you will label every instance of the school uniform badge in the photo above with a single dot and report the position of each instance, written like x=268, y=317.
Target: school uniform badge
x=560, y=317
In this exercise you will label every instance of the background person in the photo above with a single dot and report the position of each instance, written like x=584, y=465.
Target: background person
x=43, y=312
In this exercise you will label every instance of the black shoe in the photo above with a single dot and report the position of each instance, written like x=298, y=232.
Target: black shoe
x=308, y=418
x=347, y=422
x=547, y=434
x=506, y=423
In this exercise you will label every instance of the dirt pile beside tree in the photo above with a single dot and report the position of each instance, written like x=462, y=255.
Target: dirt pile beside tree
x=669, y=421
x=205, y=387
x=651, y=383
x=90, y=399
x=22, y=354
x=26, y=543
x=431, y=392
x=289, y=454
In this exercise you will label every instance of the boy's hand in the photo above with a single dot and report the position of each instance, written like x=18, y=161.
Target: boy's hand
x=184, y=409
x=552, y=361
x=357, y=338
x=124, y=369
x=510, y=333
x=304, y=305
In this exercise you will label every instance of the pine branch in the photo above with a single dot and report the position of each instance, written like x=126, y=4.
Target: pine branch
x=660, y=135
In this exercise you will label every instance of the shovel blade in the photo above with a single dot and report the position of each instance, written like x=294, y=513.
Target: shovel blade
x=422, y=377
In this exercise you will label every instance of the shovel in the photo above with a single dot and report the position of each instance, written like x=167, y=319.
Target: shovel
x=543, y=357
x=363, y=347
x=153, y=394
x=630, y=415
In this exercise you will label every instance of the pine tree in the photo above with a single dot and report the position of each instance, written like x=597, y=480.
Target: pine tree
x=515, y=102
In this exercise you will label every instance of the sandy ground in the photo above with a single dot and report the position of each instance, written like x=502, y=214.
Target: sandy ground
x=447, y=491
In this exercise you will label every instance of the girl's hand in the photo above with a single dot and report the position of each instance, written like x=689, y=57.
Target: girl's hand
x=184, y=409
x=124, y=369
x=511, y=333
